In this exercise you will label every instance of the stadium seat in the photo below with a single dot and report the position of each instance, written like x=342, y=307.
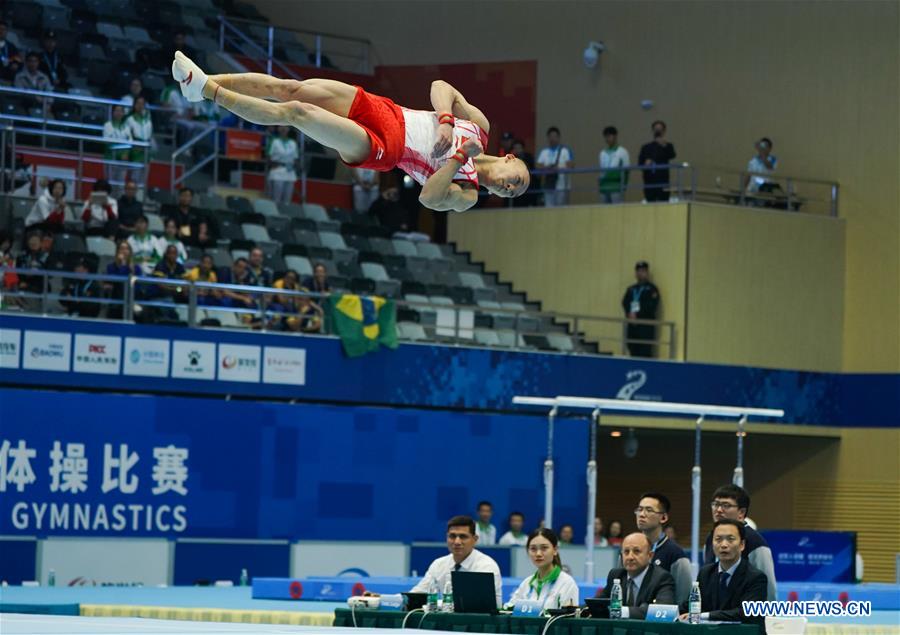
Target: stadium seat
x=472, y=280
x=560, y=342
x=404, y=247
x=137, y=35
x=428, y=250
x=300, y=264
x=486, y=337
x=266, y=207
x=66, y=243
x=362, y=286
x=411, y=331
x=101, y=246
x=374, y=271
x=155, y=224
x=382, y=245
x=238, y=204
x=370, y=256
x=315, y=212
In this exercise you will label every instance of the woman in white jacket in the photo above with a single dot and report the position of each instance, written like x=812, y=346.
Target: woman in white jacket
x=50, y=211
x=550, y=585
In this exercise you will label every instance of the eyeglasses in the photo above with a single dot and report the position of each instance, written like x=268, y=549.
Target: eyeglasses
x=647, y=510
x=723, y=506
x=539, y=548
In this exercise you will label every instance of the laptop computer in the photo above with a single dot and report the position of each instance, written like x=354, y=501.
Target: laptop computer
x=599, y=607
x=473, y=592
x=414, y=600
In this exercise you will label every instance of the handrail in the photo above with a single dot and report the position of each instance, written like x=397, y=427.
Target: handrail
x=70, y=135
x=130, y=282
x=52, y=122
x=225, y=23
x=103, y=101
x=350, y=38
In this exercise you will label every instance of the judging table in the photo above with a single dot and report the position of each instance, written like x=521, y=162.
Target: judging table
x=480, y=623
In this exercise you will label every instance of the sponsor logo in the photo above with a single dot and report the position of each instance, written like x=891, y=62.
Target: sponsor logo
x=229, y=362
x=195, y=357
x=134, y=356
x=635, y=380
x=53, y=350
x=97, y=348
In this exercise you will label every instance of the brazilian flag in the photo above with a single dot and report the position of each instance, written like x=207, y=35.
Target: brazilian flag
x=363, y=322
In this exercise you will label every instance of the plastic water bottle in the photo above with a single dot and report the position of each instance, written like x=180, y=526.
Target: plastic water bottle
x=245, y=579
x=51, y=577
x=434, y=592
x=447, y=606
x=694, y=604
x=615, y=600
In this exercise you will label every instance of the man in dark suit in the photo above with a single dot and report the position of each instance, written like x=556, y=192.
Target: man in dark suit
x=642, y=582
x=725, y=584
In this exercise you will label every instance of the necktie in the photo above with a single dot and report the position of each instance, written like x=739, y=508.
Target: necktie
x=723, y=588
x=631, y=600
x=458, y=566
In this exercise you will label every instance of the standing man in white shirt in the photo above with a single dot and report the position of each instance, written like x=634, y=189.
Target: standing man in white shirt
x=461, y=540
x=515, y=535
x=760, y=167
x=555, y=157
x=365, y=188
x=282, y=152
x=487, y=533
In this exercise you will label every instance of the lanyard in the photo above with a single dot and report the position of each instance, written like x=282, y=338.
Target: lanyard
x=636, y=293
x=537, y=583
x=659, y=542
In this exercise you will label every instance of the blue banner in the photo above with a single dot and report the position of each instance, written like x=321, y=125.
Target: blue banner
x=123, y=465
x=813, y=556
x=106, y=355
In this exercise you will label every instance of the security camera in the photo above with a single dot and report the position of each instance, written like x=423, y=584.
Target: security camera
x=592, y=53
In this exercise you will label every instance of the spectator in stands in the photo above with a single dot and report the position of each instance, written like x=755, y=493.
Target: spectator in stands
x=52, y=65
x=238, y=274
x=549, y=585
x=34, y=257
x=100, y=211
x=144, y=247
x=365, y=189
x=725, y=585
x=599, y=538
x=183, y=213
x=122, y=265
x=761, y=167
x=614, y=534
x=260, y=275
x=732, y=502
x=129, y=207
x=135, y=90
x=81, y=293
x=516, y=534
x=205, y=272
x=643, y=582
x=318, y=283
x=141, y=127
x=181, y=112
x=613, y=179
x=31, y=78
x=389, y=212
x=309, y=315
x=9, y=280
x=282, y=153
x=655, y=153
x=202, y=235
x=170, y=267
x=487, y=533
x=640, y=302
x=651, y=513
x=170, y=239
x=555, y=157
x=179, y=43
x=461, y=540
x=50, y=211
x=671, y=533
x=530, y=198
x=10, y=58
x=566, y=534
x=285, y=306
x=117, y=128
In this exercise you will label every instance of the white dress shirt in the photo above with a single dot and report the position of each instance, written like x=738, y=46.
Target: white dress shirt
x=440, y=569
x=563, y=592
x=638, y=581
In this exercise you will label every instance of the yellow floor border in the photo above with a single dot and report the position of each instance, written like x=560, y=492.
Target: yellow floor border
x=294, y=618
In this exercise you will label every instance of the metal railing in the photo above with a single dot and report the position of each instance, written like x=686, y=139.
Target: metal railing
x=9, y=146
x=265, y=39
x=186, y=301
x=689, y=182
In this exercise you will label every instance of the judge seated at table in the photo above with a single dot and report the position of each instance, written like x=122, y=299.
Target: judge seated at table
x=642, y=582
x=549, y=585
x=463, y=556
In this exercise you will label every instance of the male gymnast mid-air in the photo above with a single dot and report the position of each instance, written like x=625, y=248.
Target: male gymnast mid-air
x=442, y=150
